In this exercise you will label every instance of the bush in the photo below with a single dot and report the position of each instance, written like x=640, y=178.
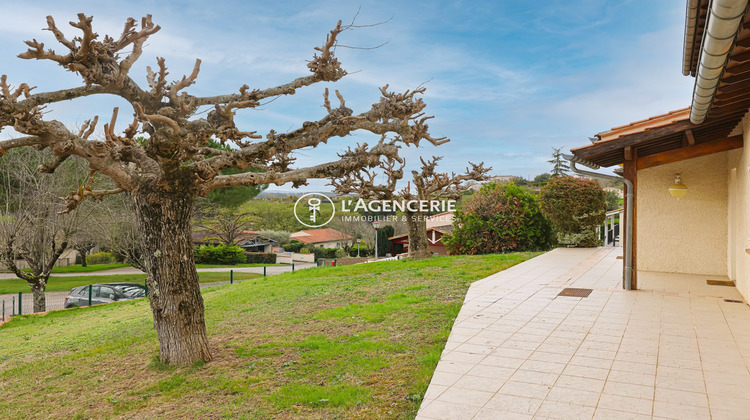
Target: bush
x=499, y=218
x=260, y=258
x=219, y=254
x=324, y=252
x=303, y=250
x=576, y=207
x=101, y=258
x=280, y=236
x=340, y=253
x=294, y=246
x=364, y=251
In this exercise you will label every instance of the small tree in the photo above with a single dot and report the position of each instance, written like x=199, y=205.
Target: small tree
x=428, y=185
x=541, y=179
x=30, y=228
x=560, y=166
x=499, y=218
x=576, y=207
x=613, y=200
x=384, y=244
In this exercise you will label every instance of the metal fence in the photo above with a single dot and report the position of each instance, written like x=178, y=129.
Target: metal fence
x=22, y=302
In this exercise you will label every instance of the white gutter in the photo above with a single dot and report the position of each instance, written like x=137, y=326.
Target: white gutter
x=628, y=209
x=691, y=19
x=723, y=22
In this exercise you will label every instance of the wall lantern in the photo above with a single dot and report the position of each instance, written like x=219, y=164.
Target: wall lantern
x=677, y=190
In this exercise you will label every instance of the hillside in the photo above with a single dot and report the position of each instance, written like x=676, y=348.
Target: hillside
x=334, y=342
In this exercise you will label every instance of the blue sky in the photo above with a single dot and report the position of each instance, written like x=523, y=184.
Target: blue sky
x=506, y=80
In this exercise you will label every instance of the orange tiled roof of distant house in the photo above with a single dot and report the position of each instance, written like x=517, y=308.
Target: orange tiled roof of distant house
x=645, y=125
x=314, y=236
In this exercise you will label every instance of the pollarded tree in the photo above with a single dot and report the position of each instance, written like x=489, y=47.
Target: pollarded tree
x=428, y=185
x=166, y=173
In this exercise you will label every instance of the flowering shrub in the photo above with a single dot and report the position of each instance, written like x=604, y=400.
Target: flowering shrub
x=499, y=218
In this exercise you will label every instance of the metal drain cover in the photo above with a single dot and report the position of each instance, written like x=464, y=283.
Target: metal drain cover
x=573, y=292
x=720, y=283
x=732, y=301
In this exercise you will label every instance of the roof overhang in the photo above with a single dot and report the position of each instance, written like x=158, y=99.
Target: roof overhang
x=679, y=138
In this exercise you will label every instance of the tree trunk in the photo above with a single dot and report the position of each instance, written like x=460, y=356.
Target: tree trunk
x=40, y=300
x=418, y=244
x=176, y=302
x=83, y=258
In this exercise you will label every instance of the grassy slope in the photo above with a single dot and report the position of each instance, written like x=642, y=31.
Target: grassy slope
x=60, y=284
x=334, y=342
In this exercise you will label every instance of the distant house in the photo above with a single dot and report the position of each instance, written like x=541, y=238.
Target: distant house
x=326, y=238
x=437, y=226
x=248, y=240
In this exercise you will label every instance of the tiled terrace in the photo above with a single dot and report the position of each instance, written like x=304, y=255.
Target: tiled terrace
x=675, y=349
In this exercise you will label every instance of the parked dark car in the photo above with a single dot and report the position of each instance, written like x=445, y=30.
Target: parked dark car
x=104, y=293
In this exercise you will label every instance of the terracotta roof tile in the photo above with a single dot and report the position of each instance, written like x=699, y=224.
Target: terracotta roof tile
x=645, y=125
x=314, y=236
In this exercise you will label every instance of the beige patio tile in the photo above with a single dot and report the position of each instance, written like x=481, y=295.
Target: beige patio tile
x=491, y=371
x=584, y=384
x=524, y=389
x=444, y=378
x=630, y=377
x=681, y=384
x=573, y=396
x=586, y=372
x=680, y=411
x=454, y=367
x=490, y=414
x=441, y=410
x=541, y=366
x=481, y=383
x=534, y=377
x=500, y=361
x=465, y=396
x=461, y=356
x=626, y=404
x=681, y=397
x=434, y=391
x=606, y=414
x=644, y=392
x=501, y=403
x=723, y=402
x=563, y=410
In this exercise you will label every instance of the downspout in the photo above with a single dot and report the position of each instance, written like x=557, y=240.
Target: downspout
x=723, y=22
x=628, y=257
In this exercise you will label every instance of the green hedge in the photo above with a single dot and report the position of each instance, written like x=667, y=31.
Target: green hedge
x=293, y=246
x=101, y=258
x=219, y=254
x=260, y=258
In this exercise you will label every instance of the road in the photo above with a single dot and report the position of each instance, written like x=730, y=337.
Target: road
x=56, y=300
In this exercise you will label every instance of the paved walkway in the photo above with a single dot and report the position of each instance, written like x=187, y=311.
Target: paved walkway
x=675, y=349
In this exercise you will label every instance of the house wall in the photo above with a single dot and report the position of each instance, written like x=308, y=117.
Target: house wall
x=739, y=190
x=687, y=235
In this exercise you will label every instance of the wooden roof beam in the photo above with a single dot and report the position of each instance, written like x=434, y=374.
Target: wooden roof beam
x=690, y=152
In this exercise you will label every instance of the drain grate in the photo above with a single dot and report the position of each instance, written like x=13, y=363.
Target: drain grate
x=573, y=292
x=619, y=257
x=720, y=283
x=732, y=301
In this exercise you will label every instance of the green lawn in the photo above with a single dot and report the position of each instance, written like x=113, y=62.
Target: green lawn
x=58, y=284
x=101, y=267
x=347, y=342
